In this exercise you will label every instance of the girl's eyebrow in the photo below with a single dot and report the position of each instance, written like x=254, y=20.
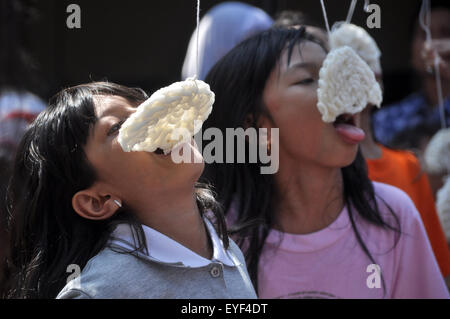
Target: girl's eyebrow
x=301, y=65
x=114, y=108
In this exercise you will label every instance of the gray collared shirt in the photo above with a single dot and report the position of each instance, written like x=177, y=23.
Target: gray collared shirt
x=117, y=273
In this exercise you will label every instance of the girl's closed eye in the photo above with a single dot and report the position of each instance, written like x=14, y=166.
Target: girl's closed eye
x=305, y=81
x=115, y=128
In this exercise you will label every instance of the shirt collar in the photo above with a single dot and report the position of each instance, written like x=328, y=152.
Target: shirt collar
x=164, y=249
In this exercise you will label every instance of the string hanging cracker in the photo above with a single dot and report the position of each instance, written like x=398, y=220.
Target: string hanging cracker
x=347, y=83
x=366, y=5
x=350, y=11
x=169, y=109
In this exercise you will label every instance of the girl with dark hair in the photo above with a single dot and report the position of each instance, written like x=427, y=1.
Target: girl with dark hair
x=137, y=224
x=318, y=227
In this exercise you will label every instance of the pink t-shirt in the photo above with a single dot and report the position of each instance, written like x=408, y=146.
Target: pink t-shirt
x=331, y=264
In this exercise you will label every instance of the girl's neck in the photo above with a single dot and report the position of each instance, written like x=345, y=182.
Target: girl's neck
x=310, y=197
x=180, y=220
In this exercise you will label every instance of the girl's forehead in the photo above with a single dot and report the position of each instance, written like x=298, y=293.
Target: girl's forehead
x=319, y=33
x=106, y=105
x=307, y=52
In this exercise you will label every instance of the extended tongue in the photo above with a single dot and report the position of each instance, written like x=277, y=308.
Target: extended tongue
x=350, y=133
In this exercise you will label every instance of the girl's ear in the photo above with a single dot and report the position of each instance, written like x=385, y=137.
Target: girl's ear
x=90, y=204
x=265, y=121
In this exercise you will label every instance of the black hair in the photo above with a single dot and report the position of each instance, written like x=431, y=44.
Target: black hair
x=47, y=234
x=238, y=81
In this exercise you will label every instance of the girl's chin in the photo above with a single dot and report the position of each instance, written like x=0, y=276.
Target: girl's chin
x=349, y=157
x=190, y=172
x=340, y=156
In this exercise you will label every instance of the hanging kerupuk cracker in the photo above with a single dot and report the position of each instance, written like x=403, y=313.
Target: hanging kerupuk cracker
x=174, y=107
x=347, y=83
x=348, y=34
x=437, y=153
x=169, y=109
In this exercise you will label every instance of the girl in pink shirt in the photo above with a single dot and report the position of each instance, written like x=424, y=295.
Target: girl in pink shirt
x=318, y=227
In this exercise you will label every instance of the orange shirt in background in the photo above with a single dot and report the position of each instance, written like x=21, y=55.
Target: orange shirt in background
x=402, y=169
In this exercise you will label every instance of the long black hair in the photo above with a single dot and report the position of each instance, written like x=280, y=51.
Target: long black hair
x=47, y=235
x=238, y=81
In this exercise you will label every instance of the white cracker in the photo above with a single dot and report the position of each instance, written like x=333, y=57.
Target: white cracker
x=346, y=84
x=437, y=153
x=176, y=106
x=347, y=34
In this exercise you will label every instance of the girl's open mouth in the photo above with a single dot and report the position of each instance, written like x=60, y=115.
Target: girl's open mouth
x=177, y=149
x=346, y=128
x=159, y=151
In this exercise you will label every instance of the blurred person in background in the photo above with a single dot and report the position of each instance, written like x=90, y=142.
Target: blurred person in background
x=19, y=104
x=222, y=28
x=411, y=122
x=295, y=19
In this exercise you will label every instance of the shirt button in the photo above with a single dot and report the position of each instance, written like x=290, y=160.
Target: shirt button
x=215, y=271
